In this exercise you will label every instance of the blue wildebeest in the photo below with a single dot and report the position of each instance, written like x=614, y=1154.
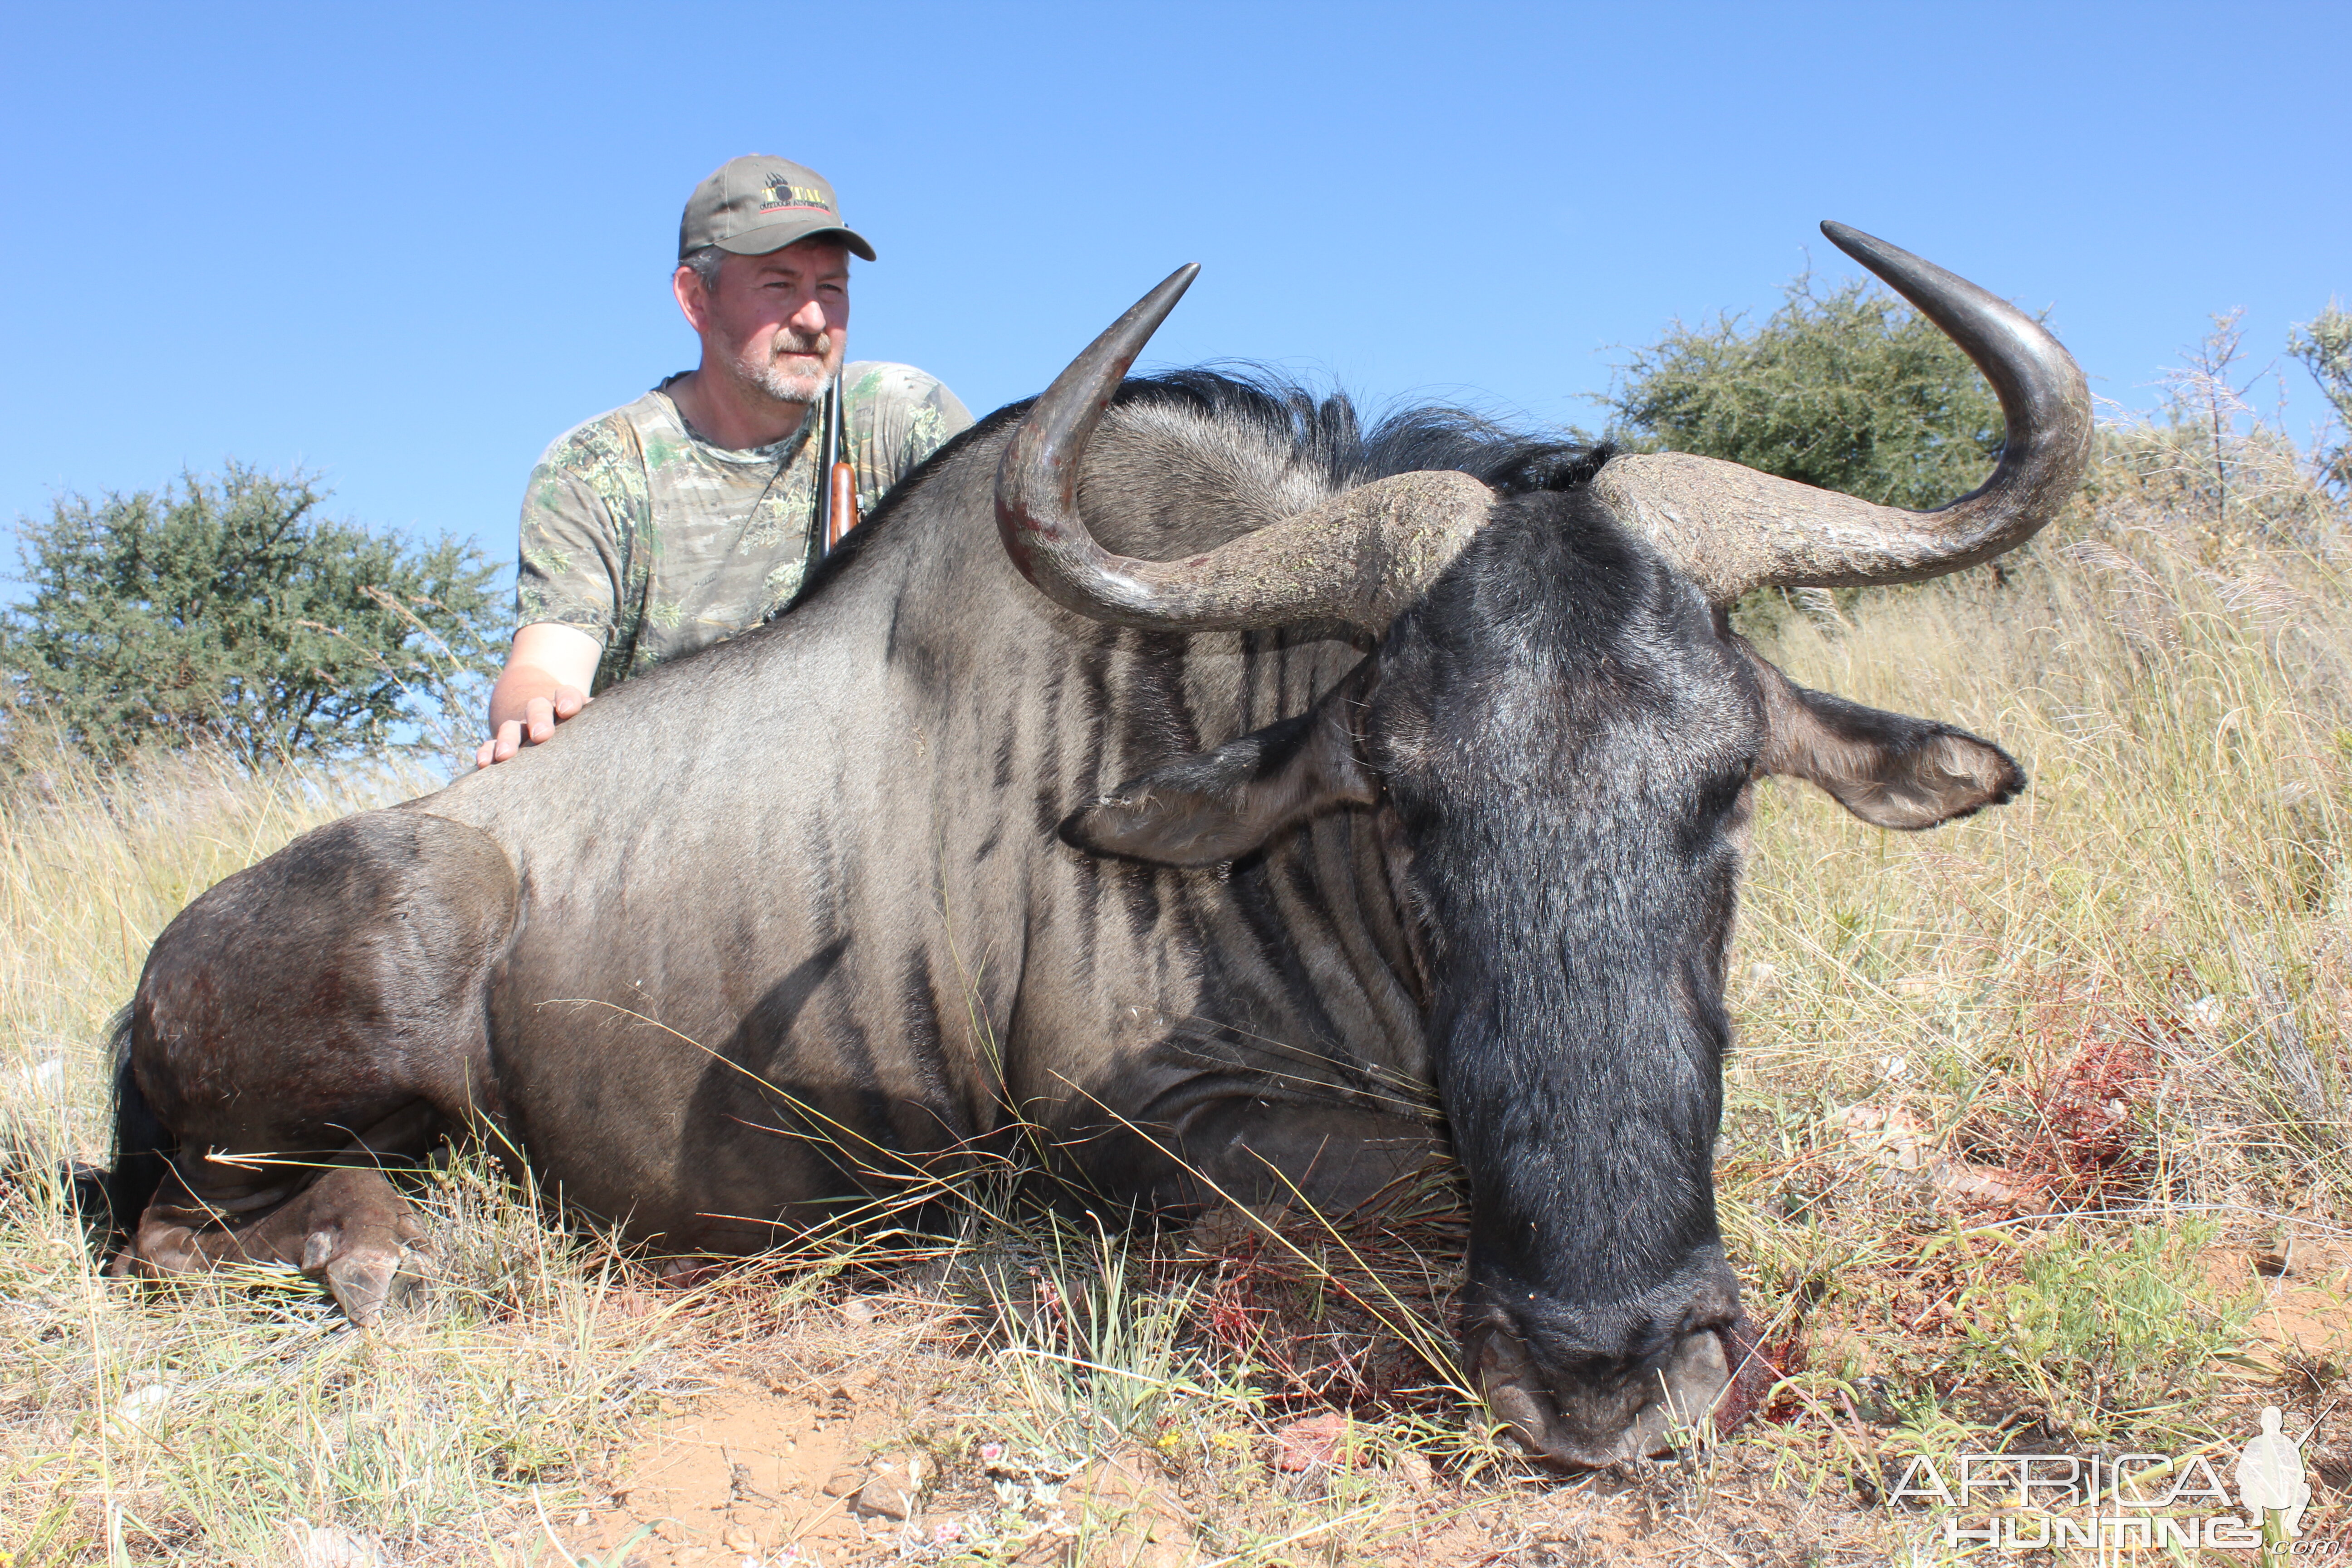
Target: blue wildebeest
x=1420, y=755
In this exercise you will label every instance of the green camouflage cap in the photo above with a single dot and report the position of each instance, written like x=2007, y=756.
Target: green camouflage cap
x=757, y=204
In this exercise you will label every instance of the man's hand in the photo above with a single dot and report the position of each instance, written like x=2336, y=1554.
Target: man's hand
x=540, y=716
x=545, y=682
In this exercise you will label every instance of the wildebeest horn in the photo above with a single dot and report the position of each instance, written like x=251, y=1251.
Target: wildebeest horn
x=1356, y=559
x=1731, y=529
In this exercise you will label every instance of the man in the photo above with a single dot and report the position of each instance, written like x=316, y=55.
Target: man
x=691, y=514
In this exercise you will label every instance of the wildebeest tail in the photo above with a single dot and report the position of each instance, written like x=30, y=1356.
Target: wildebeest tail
x=141, y=1147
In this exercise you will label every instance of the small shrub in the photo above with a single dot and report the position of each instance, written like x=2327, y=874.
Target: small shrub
x=1851, y=390
x=2104, y=1326
x=231, y=611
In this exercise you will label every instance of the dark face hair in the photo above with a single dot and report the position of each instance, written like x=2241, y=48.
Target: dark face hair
x=1566, y=740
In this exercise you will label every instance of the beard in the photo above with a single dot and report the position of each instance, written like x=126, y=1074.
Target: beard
x=793, y=382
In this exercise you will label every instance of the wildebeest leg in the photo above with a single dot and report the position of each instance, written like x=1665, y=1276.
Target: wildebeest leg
x=306, y=1020
x=1247, y=1150
x=350, y=1229
x=1334, y=1158
x=345, y=1226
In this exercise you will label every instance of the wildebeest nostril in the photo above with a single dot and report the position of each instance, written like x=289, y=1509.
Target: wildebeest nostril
x=1752, y=1376
x=1605, y=1412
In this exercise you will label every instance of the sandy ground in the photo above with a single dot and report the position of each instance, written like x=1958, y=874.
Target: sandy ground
x=870, y=1439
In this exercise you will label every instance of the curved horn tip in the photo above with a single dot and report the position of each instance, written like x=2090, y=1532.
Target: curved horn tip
x=1133, y=330
x=1163, y=296
x=1866, y=248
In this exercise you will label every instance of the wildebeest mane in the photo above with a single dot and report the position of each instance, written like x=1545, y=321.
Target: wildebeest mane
x=1327, y=433
x=1323, y=433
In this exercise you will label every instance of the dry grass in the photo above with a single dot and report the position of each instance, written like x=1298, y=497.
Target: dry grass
x=134, y=1428
x=2032, y=1118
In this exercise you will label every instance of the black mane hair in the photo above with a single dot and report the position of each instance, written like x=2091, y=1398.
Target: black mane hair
x=1327, y=433
x=1323, y=434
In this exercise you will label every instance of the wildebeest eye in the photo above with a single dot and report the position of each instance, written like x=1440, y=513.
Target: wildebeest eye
x=1721, y=795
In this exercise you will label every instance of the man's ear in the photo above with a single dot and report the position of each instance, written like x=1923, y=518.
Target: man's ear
x=1214, y=806
x=1887, y=769
x=685, y=287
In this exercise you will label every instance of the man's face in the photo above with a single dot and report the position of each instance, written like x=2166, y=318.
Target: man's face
x=778, y=323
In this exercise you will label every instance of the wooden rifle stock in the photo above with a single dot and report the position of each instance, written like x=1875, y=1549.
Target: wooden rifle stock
x=841, y=516
x=840, y=495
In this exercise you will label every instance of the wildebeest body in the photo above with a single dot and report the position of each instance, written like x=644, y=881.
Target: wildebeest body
x=770, y=941
x=1385, y=779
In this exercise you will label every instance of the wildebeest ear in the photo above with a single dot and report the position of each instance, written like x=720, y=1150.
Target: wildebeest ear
x=1885, y=768
x=1214, y=806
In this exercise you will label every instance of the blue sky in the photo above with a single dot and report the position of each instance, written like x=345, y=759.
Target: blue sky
x=404, y=247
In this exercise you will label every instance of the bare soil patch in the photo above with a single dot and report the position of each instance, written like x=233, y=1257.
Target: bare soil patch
x=2306, y=1308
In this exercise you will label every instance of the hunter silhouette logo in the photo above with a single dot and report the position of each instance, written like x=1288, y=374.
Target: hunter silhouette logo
x=2270, y=1476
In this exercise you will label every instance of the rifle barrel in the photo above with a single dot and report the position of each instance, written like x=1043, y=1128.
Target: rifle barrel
x=829, y=529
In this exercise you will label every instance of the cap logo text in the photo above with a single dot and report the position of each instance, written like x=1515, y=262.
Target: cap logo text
x=783, y=196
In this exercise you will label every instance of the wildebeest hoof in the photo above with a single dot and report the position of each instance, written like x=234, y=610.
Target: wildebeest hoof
x=361, y=1238
x=368, y=1275
x=157, y=1251
x=369, y=1280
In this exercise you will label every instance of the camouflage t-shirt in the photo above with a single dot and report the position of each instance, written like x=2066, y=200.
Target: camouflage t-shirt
x=655, y=543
